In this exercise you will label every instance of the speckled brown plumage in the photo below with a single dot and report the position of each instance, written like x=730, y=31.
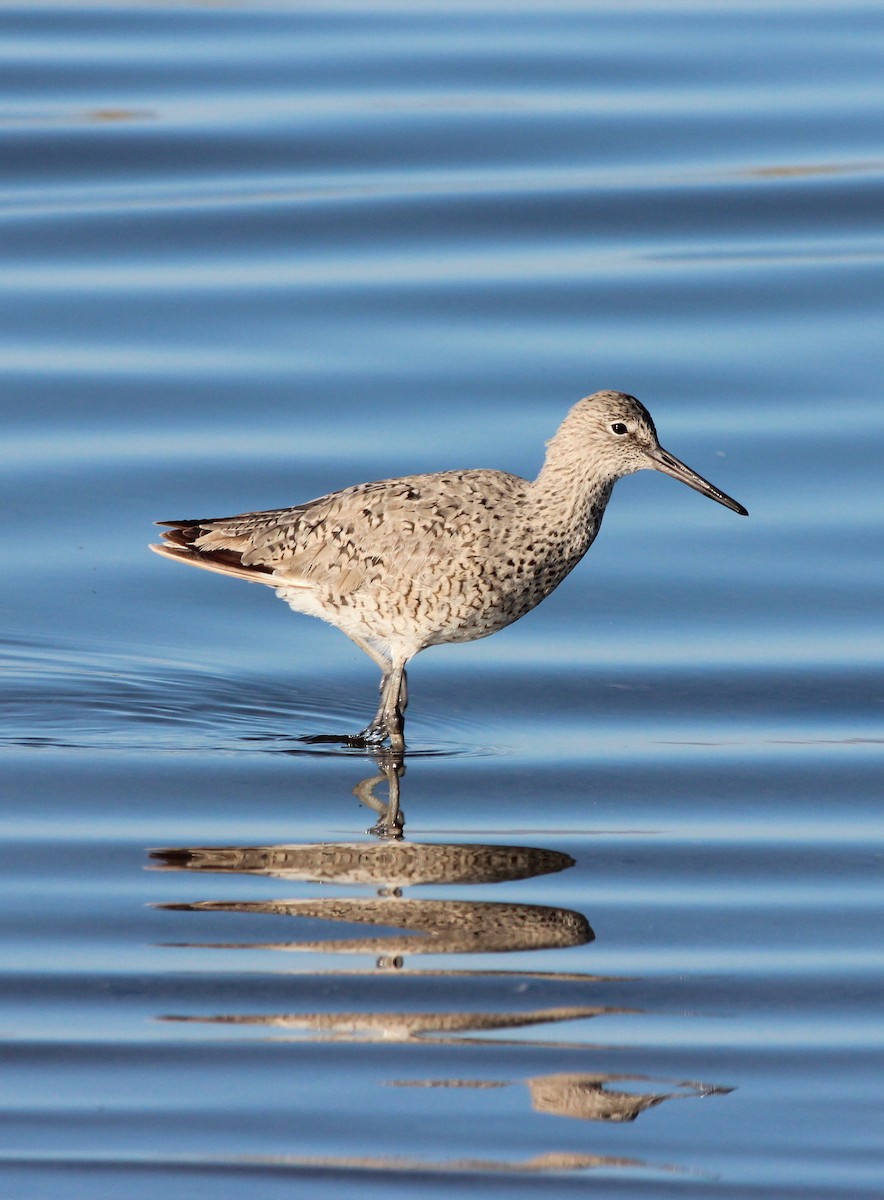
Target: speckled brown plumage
x=402, y=564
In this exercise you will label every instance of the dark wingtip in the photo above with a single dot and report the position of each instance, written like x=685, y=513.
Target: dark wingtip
x=182, y=535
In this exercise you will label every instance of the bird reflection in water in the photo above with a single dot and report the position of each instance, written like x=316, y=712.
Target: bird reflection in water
x=391, y=820
x=400, y=926
x=588, y=1097
x=390, y=864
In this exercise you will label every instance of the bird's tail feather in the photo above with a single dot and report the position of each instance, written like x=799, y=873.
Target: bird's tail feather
x=178, y=545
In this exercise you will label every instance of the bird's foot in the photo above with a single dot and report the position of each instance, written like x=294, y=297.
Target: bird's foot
x=377, y=733
x=373, y=736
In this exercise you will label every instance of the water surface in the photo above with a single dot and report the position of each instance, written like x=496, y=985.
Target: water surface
x=629, y=941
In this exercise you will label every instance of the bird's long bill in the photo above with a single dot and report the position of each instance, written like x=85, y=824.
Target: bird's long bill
x=663, y=461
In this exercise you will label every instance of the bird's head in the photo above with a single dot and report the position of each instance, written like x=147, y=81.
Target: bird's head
x=620, y=436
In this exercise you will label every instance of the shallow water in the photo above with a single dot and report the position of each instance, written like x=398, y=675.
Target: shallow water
x=630, y=941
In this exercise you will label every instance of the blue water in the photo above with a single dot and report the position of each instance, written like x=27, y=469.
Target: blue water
x=630, y=943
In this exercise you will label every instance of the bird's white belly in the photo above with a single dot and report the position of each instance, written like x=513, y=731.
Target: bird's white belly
x=455, y=606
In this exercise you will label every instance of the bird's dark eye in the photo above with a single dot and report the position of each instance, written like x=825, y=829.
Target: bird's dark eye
x=619, y=428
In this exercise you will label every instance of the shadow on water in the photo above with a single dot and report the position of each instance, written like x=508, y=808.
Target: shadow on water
x=399, y=926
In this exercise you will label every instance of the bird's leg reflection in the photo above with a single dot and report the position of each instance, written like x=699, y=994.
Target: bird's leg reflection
x=391, y=767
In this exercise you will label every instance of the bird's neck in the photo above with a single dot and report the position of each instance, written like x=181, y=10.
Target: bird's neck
x=569, y=497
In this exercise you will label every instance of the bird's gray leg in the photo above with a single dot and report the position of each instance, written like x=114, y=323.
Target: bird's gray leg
x=389, y=721
x=377, y=656
x=376, y=732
